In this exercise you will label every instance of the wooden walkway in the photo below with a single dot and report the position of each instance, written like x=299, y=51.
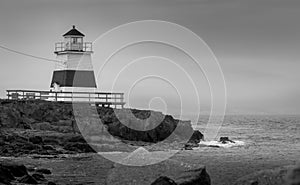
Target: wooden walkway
x=104, y=99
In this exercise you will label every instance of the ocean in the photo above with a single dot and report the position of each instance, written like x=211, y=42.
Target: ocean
x=265, y=132
x=262, y=142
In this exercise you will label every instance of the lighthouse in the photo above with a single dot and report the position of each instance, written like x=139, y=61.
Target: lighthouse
x=75, y=71
x=73, y=79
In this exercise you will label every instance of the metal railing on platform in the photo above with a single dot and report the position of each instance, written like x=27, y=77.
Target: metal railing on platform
x=104, y=99
x=68, y=46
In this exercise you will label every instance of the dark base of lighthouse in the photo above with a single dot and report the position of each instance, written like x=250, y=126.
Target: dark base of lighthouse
x=74, y=78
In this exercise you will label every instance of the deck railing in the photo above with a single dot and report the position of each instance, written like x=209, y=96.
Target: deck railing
x=68, y=46
x=104, y=99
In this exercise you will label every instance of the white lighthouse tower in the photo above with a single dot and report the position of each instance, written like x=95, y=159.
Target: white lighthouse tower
x=75, y=71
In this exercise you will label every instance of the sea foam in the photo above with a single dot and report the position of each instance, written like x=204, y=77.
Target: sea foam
x=220, y=144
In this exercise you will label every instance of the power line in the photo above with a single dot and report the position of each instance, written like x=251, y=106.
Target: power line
x=29, y=55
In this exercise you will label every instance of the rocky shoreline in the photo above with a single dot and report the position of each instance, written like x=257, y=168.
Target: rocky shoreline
x=39, y=137
x=46, y=130
x=49, y=128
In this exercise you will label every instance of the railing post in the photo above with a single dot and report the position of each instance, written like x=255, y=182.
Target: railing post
x=122, y=100
x=55, y=96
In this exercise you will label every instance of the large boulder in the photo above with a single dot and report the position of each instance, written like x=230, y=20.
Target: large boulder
x=225, y=140
x=196, y=137
x=17, y=170
x=180, y=173
x=15, y=173
x=163, y=180
x=9, y=171
x=156, y=128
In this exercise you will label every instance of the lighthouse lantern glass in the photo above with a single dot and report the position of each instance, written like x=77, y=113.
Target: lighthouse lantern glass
x=74, y=43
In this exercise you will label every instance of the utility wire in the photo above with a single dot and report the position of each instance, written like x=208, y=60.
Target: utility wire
x=29, y=55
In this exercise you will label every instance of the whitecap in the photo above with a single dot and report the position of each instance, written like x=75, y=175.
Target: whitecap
x=223, y=145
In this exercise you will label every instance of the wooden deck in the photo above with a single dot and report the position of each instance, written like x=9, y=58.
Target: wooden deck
x=104, y=99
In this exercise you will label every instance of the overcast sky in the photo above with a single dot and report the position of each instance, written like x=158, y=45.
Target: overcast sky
x=257, y=43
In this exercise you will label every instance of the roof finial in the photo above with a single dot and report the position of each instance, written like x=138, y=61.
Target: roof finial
x=73, y=26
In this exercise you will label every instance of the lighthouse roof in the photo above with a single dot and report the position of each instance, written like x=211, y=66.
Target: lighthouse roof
x=74, y=32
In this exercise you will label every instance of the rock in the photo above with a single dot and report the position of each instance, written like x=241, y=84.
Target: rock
x=36, y=140
x=293, y=176
x=48, y=147
x=51, y=183
x=188, y=147
x=254, y=182
x=57, y=117
x=9, y=171
x=5, y=175
x=44, y=156
x=79, y=147
x=274, y=176
x=194, y=176
x=30, y=169
x=42, y=126
x=30, y=147
x=38, y=176
x=43, y=171
x=163, y=180
x=51, y=141
x=76, y=139
x=5, y=183
x=192, y=145
x=17, y=170
x=181, y=173
x=225, y=140
x=157, y=128
x=196, y=137
x=213, y=146
x=28, y=180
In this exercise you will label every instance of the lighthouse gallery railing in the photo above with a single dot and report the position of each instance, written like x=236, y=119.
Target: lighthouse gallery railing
x=68, y=46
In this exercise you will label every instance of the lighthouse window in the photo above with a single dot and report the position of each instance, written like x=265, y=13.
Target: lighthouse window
x=67, y=39
x=74, y=40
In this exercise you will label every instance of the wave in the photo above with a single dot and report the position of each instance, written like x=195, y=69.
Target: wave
x=223, y=145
